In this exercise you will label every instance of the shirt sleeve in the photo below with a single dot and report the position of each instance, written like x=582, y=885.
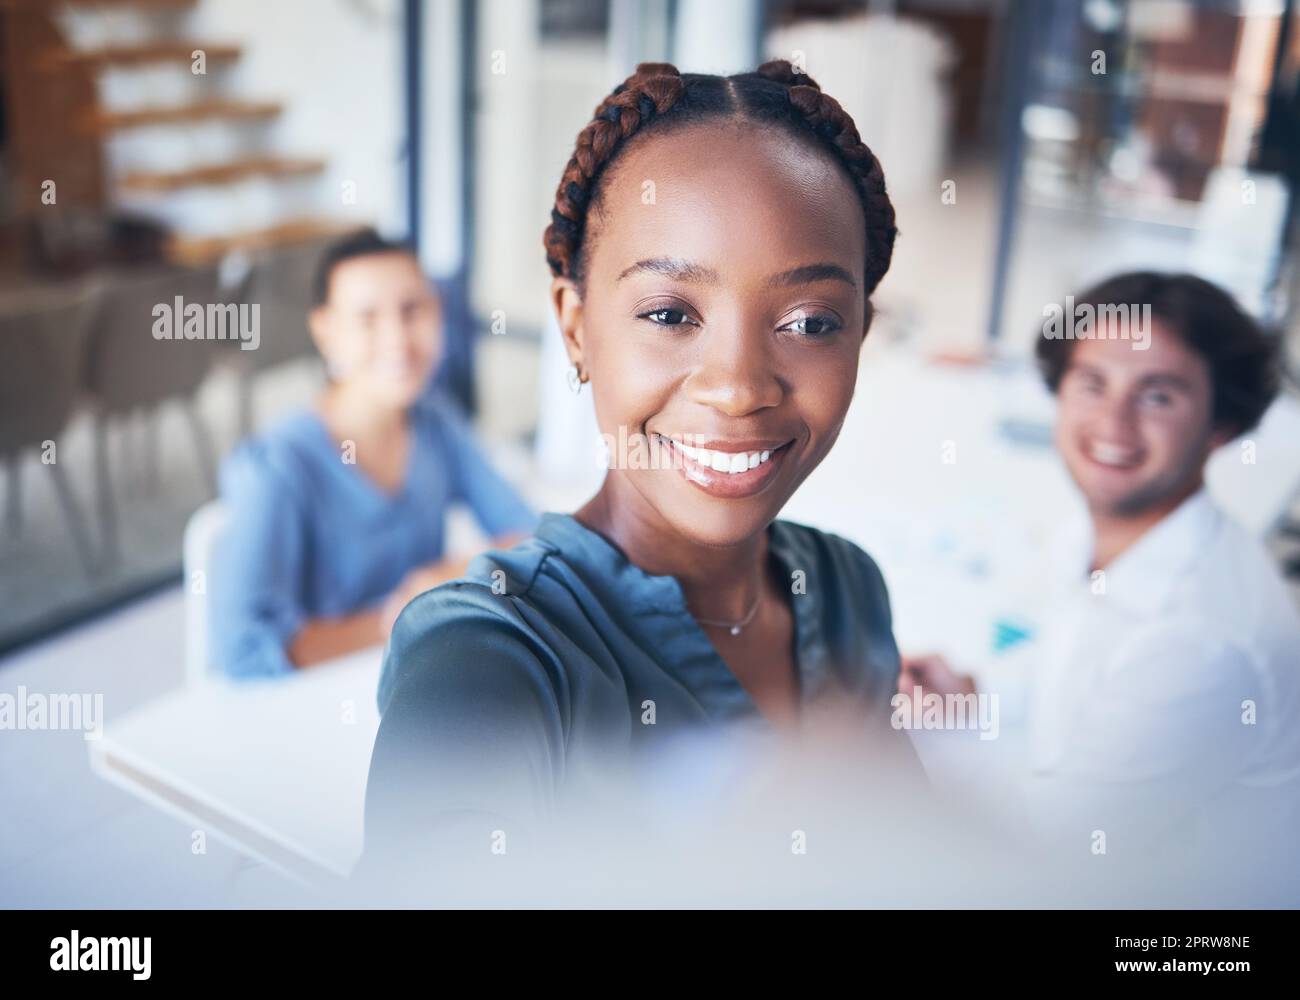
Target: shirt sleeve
x=497, y=506
x=1166, y=729
x=258, y=569
x=471, y=742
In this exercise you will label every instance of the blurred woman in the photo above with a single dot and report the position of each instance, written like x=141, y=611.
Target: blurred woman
x=337, y=512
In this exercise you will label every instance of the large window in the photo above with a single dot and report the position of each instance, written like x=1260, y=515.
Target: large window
x=156, y=157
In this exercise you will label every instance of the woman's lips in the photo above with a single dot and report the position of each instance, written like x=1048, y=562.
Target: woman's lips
x=700, y=466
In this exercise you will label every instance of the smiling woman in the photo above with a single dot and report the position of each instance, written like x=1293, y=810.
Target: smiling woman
x=715, y=242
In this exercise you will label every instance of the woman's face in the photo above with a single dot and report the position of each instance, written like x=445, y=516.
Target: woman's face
x=723, y=319
x=380, y=330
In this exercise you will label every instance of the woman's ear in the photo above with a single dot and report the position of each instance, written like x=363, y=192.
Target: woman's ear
x=323, y=336
x=318, y=324
x=567, y=301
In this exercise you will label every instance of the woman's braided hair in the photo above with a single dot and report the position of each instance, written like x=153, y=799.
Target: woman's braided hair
x=657, y=97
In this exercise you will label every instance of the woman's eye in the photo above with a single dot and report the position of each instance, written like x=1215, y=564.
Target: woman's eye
x=813, y=326
x=666, y=317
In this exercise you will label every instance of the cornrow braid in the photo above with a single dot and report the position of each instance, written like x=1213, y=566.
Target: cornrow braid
x=657, y=97
x=836, y=126
x=651, y=90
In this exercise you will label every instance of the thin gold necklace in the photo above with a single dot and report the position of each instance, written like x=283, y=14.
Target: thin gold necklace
x=735, y=627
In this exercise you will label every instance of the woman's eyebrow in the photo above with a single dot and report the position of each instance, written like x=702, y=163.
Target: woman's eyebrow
x=675, y=268
x=809, y=273
x=689, y=271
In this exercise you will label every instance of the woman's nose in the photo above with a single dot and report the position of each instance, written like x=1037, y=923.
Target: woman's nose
x=393, y=332
x=736, y=374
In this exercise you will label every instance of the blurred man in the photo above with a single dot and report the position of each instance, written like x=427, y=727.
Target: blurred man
x=1164, y=695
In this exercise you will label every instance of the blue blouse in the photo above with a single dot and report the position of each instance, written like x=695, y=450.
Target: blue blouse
x=310, y=536
x=502, y=690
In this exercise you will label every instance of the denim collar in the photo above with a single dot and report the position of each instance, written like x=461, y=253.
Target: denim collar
x=666, y=624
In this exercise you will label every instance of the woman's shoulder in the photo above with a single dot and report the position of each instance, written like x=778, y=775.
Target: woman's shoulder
x=826, y=559
x=438, y=410
x=279, y=455
x=847, y=603
x=493, y=585
x=505, y=611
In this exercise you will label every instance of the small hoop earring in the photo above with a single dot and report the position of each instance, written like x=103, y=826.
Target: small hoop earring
x=574, y=378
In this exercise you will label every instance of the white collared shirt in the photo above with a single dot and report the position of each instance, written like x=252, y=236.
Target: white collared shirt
x=1164, y=691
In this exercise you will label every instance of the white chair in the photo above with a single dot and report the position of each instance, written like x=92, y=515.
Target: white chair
x=201, y=535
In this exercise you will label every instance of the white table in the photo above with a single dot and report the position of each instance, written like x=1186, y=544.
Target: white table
x=276, y=768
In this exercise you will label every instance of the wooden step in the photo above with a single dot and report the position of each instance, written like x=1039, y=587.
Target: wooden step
x=146, y=4
x=139, y=55
x=207, y=250
x=150, y=182
x=109, y=121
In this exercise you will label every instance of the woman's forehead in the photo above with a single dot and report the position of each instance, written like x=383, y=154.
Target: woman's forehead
x=728, y=194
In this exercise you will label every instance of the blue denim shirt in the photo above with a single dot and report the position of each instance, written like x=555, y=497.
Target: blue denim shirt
x=500, y=688
x=310, y=536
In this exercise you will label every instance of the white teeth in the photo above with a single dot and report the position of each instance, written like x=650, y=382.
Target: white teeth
x=723, y=461
x=1109, y=454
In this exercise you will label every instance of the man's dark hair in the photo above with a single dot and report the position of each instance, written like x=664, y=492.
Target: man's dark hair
x=363, y=243
x=1242, y=358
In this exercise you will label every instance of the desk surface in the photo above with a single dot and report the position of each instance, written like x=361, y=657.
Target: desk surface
x=276, y=768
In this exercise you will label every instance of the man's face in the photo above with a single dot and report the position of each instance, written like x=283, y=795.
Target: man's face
x=1136, y=426
x=380, y=327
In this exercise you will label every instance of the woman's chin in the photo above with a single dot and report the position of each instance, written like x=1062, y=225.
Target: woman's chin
x=722, y=523
x=397, y=394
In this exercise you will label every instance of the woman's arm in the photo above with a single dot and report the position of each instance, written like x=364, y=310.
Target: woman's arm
x=471, y=739
x=257, y=568
x=324, y=639
x=260, y=627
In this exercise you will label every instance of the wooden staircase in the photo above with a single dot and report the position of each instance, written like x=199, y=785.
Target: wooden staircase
x=60, y=129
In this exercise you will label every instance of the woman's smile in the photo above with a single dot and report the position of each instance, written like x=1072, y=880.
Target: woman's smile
x=729, y=469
